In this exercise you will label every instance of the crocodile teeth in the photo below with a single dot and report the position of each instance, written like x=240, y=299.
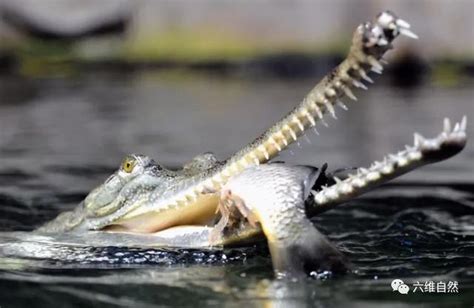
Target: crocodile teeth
x=319, y=198
x=298, y=122
x=318, y=110
x=256, y=161
x=373, y=176
x=332, y=193
x=264, y=152
x=346, y=188
x=364, y=76
x=447, y=125
x=376, y=66
x=310, y=118
x=285, y=142
x=255, y=158
x=418, y=140
x=402, y=161
x=414, y=155
x=393, y=157
x=373, y=69
x=456, y=127
x=377, y=164
x=330, y=108
x=402, y=23
x=315, y=131
x=275, y=144
x=464, y=123
x=359, y=84
x=349, y=93
x=341, y=104
x=409, y=33
x=292, y=132
x=387, y=169
x=357, y=182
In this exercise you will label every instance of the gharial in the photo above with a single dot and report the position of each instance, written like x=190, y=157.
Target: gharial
x=181, y=208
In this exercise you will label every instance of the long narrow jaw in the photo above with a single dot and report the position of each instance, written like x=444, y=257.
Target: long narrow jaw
x=369, y=43
x=424, y=151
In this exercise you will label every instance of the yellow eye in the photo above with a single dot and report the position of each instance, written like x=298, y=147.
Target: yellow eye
x=128, y=164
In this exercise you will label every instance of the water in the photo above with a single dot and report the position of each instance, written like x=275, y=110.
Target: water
x=59, y=138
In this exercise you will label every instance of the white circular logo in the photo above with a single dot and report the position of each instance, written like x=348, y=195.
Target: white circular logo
x=400, y=286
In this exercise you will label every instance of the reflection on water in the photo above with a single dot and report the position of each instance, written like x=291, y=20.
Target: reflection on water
x=60, y=138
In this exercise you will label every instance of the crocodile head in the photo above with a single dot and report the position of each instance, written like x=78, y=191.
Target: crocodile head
x=138, y=168
x=143, y=196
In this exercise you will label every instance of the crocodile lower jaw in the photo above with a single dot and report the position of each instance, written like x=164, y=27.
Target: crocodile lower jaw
x=201, y=212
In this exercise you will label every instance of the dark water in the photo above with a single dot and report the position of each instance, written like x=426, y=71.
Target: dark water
x=61, y=137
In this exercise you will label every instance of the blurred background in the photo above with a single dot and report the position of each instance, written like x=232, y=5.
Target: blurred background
x=82, y=83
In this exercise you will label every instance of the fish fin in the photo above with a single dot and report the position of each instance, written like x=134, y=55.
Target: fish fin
x=311, y=252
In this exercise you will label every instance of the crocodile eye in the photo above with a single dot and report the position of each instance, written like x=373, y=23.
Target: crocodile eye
x=128, y=164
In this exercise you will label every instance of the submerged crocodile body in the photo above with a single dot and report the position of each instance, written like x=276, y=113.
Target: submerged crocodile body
x=251, y=196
